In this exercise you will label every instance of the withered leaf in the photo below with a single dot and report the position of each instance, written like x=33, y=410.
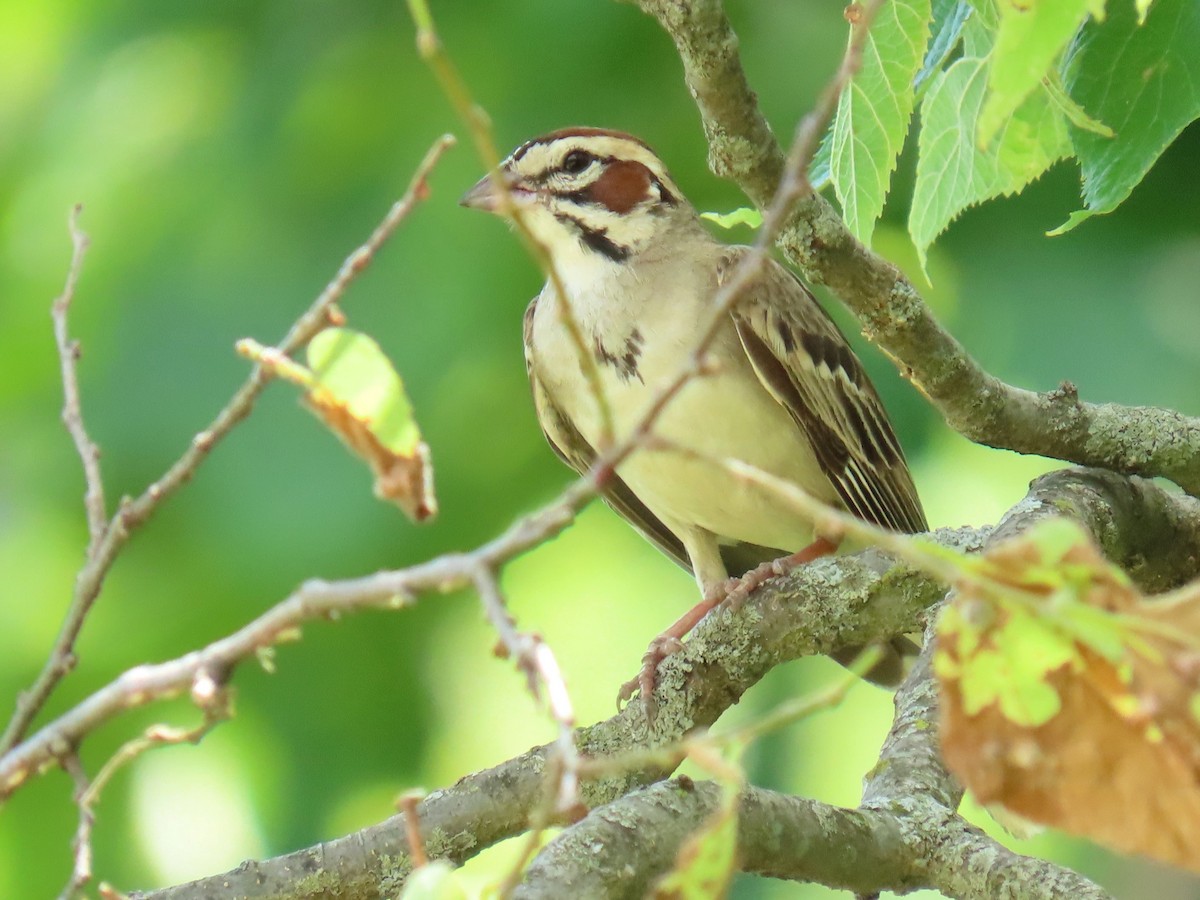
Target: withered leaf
x=1071, y=700
x=354, y=389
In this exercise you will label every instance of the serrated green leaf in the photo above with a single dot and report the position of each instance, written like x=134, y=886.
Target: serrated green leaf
x=977, y=38
x=949, y=17
x=745, y=215
x=707, y=860
x=1144, y=81
x=1031, y=36
x=953, y=173
x=437, y=880
x=351, y=367
x=874, y=112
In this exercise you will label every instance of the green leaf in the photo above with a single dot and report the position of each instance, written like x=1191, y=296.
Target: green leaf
x=353, y=370
x=1144, y=81
x=751, y=218
x=706, y=862
x=1075, y=113
x=953, y=173
x=874, y=112
x=949, y=17
x=1032, y=35
x=437, y=880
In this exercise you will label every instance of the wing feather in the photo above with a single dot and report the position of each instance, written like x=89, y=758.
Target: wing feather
x=806, y=364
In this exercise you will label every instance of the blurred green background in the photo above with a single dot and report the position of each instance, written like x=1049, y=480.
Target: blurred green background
x=229, y=155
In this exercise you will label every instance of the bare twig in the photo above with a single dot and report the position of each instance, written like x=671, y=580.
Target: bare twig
x=72, y=414
x=81, y=844
x=214, y=700
x=409, y=804
x=132, y=513
x=535, y=658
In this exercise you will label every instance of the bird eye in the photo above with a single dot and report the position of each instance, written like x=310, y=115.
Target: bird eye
x=576, y=161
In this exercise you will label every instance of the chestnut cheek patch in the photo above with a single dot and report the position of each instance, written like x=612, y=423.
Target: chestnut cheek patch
x=623, y=185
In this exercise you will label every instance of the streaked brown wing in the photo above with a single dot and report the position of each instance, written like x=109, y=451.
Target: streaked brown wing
x=806, y=364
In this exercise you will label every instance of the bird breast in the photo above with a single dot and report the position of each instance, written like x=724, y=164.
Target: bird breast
x=727, y=413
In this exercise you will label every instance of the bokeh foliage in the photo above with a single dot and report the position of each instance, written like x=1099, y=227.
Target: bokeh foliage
x=228, y=156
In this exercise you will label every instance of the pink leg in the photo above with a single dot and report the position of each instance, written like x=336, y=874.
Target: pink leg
x=733, y=593
x=660, y=648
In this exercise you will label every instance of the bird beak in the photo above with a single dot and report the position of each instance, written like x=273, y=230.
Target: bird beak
x=483, y=195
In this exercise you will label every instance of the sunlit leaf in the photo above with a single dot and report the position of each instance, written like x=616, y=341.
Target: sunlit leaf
x=1144, y=82
x=874, y=112
x=745, y=215
x=1031, y=37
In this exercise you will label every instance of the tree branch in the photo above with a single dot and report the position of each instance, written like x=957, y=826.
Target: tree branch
x=778, y=835
x=1139, y=440
x=829, y=604
x=833, y=603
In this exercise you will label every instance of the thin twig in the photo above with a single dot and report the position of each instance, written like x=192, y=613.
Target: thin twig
x=545, y=682
x=408, y=803
x=81, y=844
x=132, y=513
x=72, y=414
x=429, y=45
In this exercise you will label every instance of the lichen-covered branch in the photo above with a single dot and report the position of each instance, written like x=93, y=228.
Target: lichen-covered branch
x=829, y=604
x=778, y=835
x=1138, y=440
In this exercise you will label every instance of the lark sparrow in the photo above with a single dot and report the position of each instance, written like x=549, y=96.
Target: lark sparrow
x=786, y=393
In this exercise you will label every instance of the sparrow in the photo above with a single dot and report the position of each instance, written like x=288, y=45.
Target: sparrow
x=783, y=391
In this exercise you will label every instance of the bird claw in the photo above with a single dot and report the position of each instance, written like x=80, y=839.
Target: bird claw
x=643, y=684
x=737, y=590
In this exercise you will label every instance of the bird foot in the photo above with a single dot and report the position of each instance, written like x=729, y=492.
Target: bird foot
x=643, y=684
x=738, y=589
